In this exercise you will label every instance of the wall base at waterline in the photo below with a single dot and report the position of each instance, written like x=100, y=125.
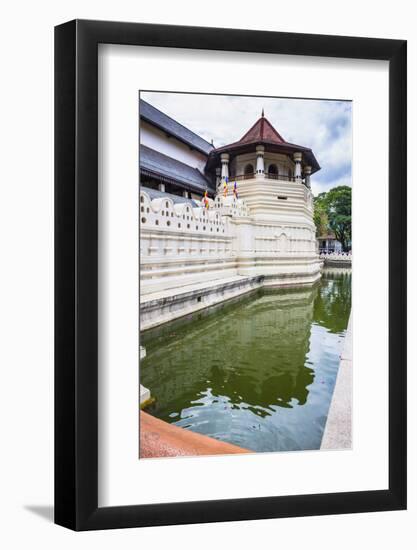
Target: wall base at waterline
x=158, y=308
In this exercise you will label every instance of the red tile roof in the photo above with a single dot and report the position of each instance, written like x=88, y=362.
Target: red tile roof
x=262, y=130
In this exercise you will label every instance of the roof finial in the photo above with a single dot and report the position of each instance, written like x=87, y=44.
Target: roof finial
x=263, y=114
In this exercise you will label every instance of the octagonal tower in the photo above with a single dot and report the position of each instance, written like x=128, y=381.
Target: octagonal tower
x=272, y=177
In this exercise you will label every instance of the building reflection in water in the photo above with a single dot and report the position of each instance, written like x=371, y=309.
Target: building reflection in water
x=258, y=373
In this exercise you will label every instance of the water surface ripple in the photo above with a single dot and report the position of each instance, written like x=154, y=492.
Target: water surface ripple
x=258, y=373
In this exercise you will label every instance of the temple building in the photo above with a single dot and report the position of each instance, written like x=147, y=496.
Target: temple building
x=173, y=159
x=262, y=153
x=253, y=228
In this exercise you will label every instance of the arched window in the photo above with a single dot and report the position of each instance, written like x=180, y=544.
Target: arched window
x=272, y=169
x=248, y=169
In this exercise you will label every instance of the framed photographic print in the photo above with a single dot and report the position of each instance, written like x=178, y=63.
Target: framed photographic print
x=230, y=275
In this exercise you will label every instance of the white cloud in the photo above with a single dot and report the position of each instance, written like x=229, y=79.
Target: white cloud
x=320, y=186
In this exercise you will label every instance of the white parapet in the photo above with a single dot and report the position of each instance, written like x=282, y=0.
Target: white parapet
x=229, y=205
x=268, y=232
x=337, y=259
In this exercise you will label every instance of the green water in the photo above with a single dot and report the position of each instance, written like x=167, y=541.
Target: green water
x=258, y=373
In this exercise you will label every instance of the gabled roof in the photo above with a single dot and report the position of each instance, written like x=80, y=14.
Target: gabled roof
x=153, y=163
x=162, y=121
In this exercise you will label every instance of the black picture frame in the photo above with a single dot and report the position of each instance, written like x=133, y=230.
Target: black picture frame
x=76, y=272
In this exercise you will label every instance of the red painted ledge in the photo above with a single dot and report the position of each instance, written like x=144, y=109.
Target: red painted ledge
x=160, y=439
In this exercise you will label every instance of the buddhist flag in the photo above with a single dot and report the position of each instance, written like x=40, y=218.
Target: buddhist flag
x=206, y=201
x=225, y=188
x=235, y=190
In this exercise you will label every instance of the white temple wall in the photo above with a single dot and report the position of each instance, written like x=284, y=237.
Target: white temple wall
x=156, y=139
x=278, y=200
x=278, y=251
x=283, y=162
x=239, y=163
x=181, y=245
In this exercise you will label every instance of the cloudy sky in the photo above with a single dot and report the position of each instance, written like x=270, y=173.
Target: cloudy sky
x=324, y=126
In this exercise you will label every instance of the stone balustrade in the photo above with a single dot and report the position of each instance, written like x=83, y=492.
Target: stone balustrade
x=180, y=244
x=183, y=244
x=337, y=258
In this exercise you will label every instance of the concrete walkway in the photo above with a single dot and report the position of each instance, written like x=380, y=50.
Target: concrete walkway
x=338, y=430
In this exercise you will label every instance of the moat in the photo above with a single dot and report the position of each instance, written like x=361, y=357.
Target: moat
x=258, y=372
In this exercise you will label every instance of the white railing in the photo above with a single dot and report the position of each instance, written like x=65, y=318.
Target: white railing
x=336, y=256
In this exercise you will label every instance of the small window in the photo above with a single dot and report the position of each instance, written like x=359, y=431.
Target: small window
x=281, y=198
x=273, y=169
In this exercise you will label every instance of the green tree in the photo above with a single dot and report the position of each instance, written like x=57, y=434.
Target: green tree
x=339, y=212
x=333, y=212
x=321, y=219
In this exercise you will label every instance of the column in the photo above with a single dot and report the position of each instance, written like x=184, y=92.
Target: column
x=297, y=172
x=260, y=167
x=224, y=157
x=218, y=178
x=161, y=187
x=307, y=174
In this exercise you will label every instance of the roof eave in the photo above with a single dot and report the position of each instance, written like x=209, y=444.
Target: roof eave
x=286, y=148
x=175, y=181
x=191, y=145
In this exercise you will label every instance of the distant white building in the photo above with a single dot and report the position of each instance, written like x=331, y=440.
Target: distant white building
x=328, y=243
x=257, y=230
